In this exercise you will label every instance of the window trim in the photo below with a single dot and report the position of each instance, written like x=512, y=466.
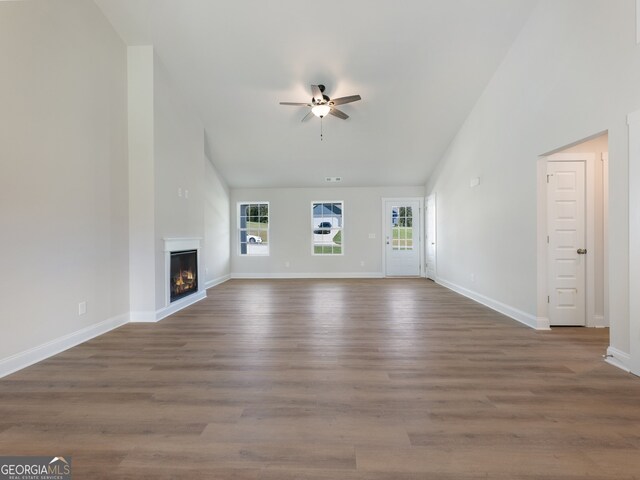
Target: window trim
x=313, y=253
x=239, y=229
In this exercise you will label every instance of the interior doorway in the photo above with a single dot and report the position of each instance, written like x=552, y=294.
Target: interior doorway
x=572, y=235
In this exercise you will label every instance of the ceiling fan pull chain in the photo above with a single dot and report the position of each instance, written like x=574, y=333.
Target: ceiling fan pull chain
x=321, y=129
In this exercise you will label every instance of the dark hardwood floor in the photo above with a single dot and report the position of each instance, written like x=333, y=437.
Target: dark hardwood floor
x=330, y=379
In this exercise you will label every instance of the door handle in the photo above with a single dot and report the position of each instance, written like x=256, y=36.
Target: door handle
x=582, y=251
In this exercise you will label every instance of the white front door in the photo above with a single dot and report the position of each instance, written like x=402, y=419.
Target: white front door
x=567, y=243
x=402, y=237
x=430, y=209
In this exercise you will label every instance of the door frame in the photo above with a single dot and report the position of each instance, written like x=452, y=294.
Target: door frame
x=589, y=159
x=632, y=363
x=426, y=240
x=420, y=201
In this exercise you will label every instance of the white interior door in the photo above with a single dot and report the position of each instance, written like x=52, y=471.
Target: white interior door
x=430, y=209
x=567, y=243
x=402, y=237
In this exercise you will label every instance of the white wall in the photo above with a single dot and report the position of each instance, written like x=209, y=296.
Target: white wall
x=142, y=226
x=216, y=226
x=80, y=222
x=63, y=186
x=179, y=163
x=573, y=71
x=175, y=190
x=290, y=231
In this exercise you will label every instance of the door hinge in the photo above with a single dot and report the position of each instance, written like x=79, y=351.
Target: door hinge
x=549, y=175
x=547, y=238
x=548, y=299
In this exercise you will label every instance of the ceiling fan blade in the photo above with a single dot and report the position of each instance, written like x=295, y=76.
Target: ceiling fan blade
x=297, y=104
x=338, y=113
x=307, y=116
x=317, y=93
x=349, y=99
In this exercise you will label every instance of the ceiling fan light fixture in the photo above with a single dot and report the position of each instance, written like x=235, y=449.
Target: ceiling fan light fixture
x=321, y=110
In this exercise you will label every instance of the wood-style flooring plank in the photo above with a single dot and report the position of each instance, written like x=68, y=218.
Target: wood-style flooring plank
x=374, y=379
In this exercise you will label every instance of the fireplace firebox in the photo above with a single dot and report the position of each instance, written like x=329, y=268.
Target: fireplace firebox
x=183, y=278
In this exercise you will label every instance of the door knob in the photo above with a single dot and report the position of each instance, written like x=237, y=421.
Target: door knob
x=582, y=251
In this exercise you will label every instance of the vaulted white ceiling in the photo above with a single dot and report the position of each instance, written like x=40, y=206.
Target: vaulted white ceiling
x=419, y=65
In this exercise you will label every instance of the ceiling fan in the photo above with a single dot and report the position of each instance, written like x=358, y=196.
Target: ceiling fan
x=321, y=104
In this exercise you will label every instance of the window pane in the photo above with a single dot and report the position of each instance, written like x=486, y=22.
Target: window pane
x=253, y=226
x=326, y=226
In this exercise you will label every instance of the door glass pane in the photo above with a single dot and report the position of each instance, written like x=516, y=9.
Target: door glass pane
x=402, y=228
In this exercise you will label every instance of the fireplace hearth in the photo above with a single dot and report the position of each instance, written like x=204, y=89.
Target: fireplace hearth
x=183, y=277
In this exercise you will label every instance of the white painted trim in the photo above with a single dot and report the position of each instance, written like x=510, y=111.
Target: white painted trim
x=313, y=227
x=307, y=275
x=522, y=317
x=182, y=243
x=435, y=234
x=634, y=239
x=619, y=359
x=216, y=281
x=605, y=231
x=633, y=117
x=181, y=304
x=143, y=317
x=542, y=304
x=543, y=323
x=26, y=358
x=239, y=231
x=543, y=268
x=153, y=317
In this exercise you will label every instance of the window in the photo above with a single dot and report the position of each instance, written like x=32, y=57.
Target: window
x=253, y=226
x=327, y=228
x=402, y=228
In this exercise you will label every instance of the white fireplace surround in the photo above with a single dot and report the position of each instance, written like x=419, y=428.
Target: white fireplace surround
x=179, y=245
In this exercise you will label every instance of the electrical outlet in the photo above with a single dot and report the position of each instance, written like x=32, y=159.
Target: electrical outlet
x=179, y=191
x=372, y=235
x=82, y=308
x=186, y=194
x=362, y=263
x=287, y=264
x=472, y=277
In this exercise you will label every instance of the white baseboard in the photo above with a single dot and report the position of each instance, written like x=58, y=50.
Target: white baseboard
x=307, y=275
x=143, y=317
x=180, y=304
x=152, y=317
x=24, y=359
x=619, y=359
x=598, y=321
x=522, y=317
x=216, y=281
x=542, y=323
